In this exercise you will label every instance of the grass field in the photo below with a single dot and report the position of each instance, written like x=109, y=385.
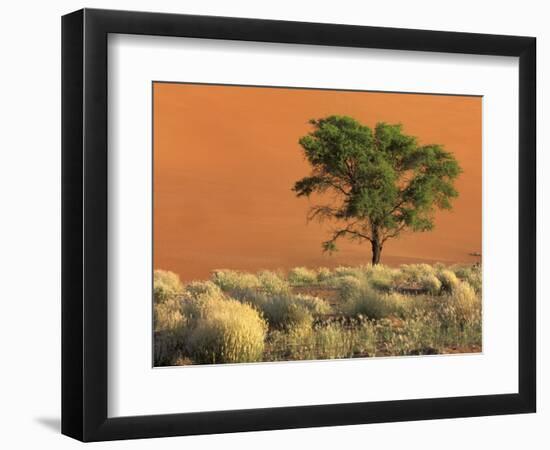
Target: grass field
x=305, y=314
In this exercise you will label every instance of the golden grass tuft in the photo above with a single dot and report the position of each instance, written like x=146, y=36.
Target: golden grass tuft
x=166, y=285
x=301, y=276
x=227, y=331
x=449, y=281
x=317, y=314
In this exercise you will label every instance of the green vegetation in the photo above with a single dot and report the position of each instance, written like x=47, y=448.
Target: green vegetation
x=381, y=181
x=346, y=312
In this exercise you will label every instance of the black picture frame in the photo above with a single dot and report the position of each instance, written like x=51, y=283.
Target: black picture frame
x=84, y=224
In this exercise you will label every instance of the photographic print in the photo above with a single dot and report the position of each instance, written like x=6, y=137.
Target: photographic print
x=310, y=224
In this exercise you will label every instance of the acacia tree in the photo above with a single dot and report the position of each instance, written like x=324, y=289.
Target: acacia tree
x=382, y=182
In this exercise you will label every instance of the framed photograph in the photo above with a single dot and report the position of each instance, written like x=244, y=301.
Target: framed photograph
x=273, y=224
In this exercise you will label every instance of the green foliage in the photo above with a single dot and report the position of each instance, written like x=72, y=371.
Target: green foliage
x=383, y=180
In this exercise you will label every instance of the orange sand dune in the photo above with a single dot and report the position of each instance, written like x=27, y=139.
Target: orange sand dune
x=225, y=159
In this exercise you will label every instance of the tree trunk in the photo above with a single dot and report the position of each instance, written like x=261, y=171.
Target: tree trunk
x=376, y=251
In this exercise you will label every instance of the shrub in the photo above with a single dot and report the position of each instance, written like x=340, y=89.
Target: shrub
x=315, y=305
x=237, y=284
x=165, y=348
x=169, y=336
x=166, y=285
x=375, y=305
x=431, y=284
x=198, y=296
x=415, y=335
x=349, y=287
x=170, y=331
x=466, y=303
x=381, y=277
x=419, y=276
x=225, y=319
x=168, y=315
x=272, y=283
x=227, y=331
x=248, y=288
x=328, y=342
x=285, y=312
x=174, y=319
x=470, y=274
x=344, y=271
x=198, y=289
x=449, y=281
x=460, y=308
x=301, y=276
x=332, y=342
x=323, y=274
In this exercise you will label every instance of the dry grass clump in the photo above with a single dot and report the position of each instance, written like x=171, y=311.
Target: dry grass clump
x=197, y=296
x=168, y=315
x=456, y=309
x=227, y=331
x=208, y=326
x=166, y=285
x=349, y=287
x=449, y=281
x=169, y=321
x=329, y=342
x=237, y=284
x=466, y=303
x=381, y=277
x=323, y=274
x=359, y=298
x=300, y=276
x=317, y=314
x=166, y=349
x=286, y=313
x=416, y=335
x=344, y=271
x=273, y=283
x=419, y=276
x=315, y=305
x=197, y=289
x=470, y=274
x=245, y=287
x=334, y=341
x=376, y=305
x=169, y=335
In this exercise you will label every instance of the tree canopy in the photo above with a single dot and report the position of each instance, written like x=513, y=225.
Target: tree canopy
x=382, y=181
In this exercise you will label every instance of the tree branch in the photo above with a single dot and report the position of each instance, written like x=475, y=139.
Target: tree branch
x=395, y=233
x=329, y=245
